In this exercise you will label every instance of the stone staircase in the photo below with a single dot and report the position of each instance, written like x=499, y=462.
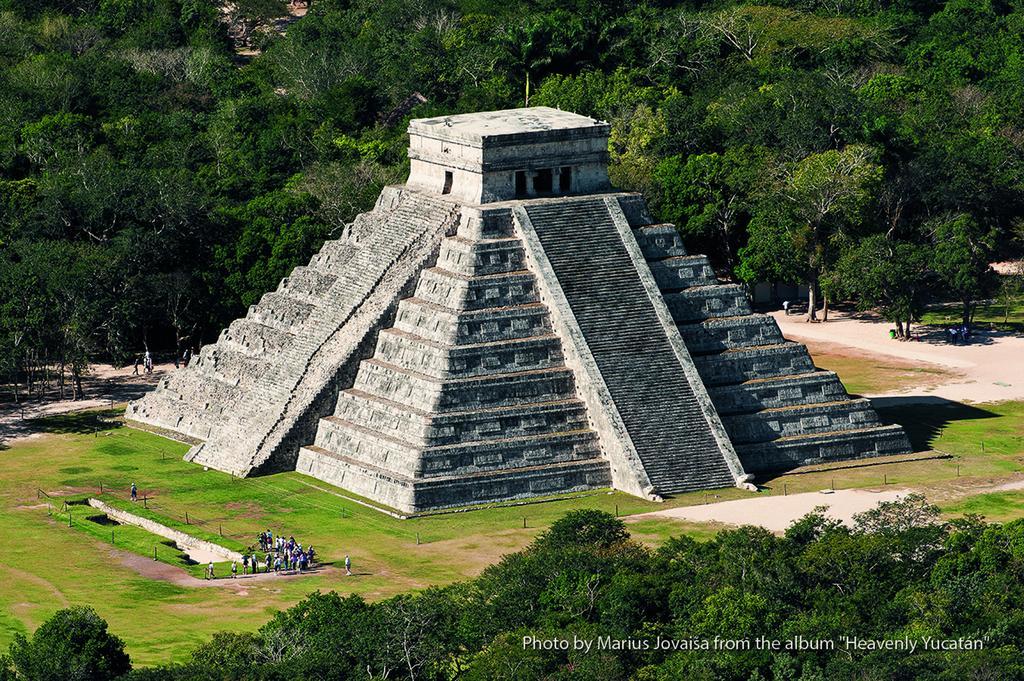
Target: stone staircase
x=254, y=396
x=645, y=376
x=466, y=398
x=779, y=410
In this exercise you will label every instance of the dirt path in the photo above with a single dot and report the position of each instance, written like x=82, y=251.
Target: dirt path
x=775, y=513
x=153, y=569
x=989, y=369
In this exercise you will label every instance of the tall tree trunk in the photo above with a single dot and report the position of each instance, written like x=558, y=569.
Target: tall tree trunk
x=824, y=307
x=812, y=298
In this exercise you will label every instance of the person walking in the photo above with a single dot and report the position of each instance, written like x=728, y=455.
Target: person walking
x=209, y=570
x=348, y=566
x=138, y=360
x=135, y=492
x=234, y=570
x=245, y=564
x=148, y=362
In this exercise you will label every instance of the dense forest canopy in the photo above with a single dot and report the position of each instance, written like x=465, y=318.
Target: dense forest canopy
x=165, y=162
x=899, y=574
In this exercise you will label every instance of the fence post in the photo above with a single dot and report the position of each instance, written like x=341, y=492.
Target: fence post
x=417, y=539
x=154, y=551
x=616, y=510
x=785, y=490
x=524, y=522
x=186, y=518
x=69, y=517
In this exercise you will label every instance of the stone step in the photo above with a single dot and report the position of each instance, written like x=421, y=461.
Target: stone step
x=806, y=419
x=463, y=361
x=470, y=258
x=451, y=290
x=744, y=364
x=390, y=453
x=431, y=394
x=659, y=241
x=333, y=257
x=250, y=337
x=629, y=344
x=428, y=429
x=682, y=272
x=281, y=311
x=452, y=327
x=781, y=391
x=307, y=284
x=707, y=302
x=790, y=452
x=730, y=333
x=411, y=496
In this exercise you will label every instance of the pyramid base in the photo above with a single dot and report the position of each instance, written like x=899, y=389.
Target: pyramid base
x=416, y=495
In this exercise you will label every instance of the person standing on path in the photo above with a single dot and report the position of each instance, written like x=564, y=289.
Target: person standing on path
x=234, y=569
x=135, y=492
x=138, y=360
x=209, y=570
x=348, y=566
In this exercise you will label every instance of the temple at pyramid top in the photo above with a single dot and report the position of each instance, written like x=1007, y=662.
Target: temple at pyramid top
x=511, y=154
x=506, y=325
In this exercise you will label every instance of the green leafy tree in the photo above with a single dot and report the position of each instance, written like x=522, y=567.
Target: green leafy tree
x=827, y=193
x=961, y=252
x=894, y=277
x=72, y=644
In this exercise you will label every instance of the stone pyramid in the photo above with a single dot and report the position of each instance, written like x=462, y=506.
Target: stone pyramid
x=504, y=326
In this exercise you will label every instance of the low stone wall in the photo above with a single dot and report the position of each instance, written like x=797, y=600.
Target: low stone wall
x=184, y=541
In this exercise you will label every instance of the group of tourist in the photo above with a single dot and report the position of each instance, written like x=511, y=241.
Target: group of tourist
x=146, y=361
x=279, y=554
x=958, y=334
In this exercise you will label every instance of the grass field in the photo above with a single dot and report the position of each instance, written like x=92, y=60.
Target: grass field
x=49, y=565
x=1003, y=317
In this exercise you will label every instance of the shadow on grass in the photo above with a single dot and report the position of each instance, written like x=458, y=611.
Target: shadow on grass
x=79, y=422
x=925, y=417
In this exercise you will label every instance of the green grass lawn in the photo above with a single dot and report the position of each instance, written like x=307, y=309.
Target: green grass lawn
x=49, y=565
x=1003, y=317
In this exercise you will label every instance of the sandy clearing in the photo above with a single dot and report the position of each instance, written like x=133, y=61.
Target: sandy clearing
x=776, y=513
x=102, y=384
x=990, y=368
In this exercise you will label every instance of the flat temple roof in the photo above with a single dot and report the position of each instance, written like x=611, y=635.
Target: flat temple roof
x=475, y=128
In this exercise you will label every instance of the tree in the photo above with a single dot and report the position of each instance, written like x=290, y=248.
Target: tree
x=584, y=528
x=892, y=276
x=961, y=252
x=708, y=196
x=72, y=644
x=827, y=192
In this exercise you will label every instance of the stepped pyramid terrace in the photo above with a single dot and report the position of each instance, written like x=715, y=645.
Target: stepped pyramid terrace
x=507, y=325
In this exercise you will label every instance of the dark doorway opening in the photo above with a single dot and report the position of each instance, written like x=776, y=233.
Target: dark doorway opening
x=565, y=179
x=520, y=184
x=447, y=182
x=542, y=181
